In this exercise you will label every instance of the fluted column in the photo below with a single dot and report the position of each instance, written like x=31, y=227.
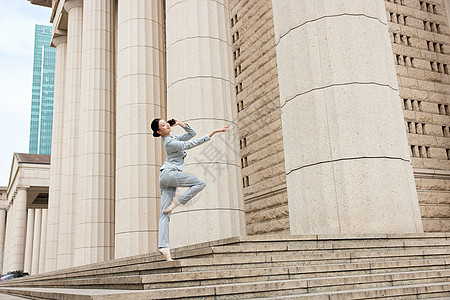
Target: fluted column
x=43, y=243
x=2, y=237
x=200, y=91
x=29, y=242
x=348, y=167
x=56, y=158
x=140, y=99
x=94, y=228
x=8, y=240
x=16, y=227
x=69, y=160
x=36, y=241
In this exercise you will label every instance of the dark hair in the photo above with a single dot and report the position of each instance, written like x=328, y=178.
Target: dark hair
x=155, y=127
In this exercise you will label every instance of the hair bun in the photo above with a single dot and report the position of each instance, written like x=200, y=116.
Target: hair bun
x=155, y=127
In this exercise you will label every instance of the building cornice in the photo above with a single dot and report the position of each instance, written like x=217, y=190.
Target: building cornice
x=46, y=3
x=55, y=4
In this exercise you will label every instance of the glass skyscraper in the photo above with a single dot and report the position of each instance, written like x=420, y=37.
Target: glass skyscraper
x=42, y=95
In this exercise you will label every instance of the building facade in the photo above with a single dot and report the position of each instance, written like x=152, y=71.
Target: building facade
x=316, y=95
x=23, y=214
x=42, y=92
x=420, y=44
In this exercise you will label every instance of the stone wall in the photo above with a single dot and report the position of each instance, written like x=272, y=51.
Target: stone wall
x=421, y=45
x=421, y=48
x=258, y=105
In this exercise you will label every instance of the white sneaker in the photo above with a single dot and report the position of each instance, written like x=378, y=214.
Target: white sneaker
x=166, y=253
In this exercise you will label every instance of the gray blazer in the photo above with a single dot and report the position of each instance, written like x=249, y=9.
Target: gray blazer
x=175, y=146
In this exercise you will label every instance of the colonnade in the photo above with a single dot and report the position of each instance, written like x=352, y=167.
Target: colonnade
x=110, y=83
x=36, y=242
x=24, y=247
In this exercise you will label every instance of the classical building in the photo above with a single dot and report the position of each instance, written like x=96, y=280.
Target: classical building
x=42, y=92
x=23, y=214
x=316, y=94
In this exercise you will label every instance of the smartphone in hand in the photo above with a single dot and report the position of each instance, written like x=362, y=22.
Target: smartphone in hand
x=171, y=122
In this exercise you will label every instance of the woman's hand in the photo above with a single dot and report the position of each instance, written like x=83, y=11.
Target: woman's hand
x=223, y=129
x=178, y=122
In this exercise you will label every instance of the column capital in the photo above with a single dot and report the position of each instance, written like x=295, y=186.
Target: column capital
x=21, y=188
x=58, y=40
x=69, y=4
x=14, y=194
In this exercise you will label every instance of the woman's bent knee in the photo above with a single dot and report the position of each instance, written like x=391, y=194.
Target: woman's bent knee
x=202, y=184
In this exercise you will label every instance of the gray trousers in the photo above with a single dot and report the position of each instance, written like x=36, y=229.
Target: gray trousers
x=169, y=180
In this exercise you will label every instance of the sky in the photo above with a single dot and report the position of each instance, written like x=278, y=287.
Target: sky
x=17, y=20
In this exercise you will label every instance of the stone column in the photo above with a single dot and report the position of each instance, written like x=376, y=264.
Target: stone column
x=94, y=228
x=29, y=242
x=200, y=91
x=43, y=241
x=140, y=99
x=57, y=143
x=16, y=228
x=69, y=160
x=8, y=240
x=348, y=166
x=36, y=241
x=2, y=237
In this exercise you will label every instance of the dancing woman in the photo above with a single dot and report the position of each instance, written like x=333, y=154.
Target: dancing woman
x=172, y=176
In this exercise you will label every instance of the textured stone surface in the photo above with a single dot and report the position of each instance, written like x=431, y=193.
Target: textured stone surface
x=37, y=229
x=259, y=115
x=15, y=233
x=43, y=242
x=2, y=235
x=94, y=224
x=424, y=90
x=56, y=155
x=140, y=98
x=29, y=241
x=69, y=160
x=326, y=95
x=200, y=91
x=435, y=225
x=262, y=266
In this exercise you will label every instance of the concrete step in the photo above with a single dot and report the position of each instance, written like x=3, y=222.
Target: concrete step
x=299, y=264
x=327, y=247
x=70, y=294
x=309, y=259
x=336, y=247
x=437, y=291
x=276, y=289
x=314, y=243
x=281, y=273
x=245, y=267
x=236, y=275
x=152, y=265
x=377, y=280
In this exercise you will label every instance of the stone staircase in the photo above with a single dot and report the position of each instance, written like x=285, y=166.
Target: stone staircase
x=406, y=266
